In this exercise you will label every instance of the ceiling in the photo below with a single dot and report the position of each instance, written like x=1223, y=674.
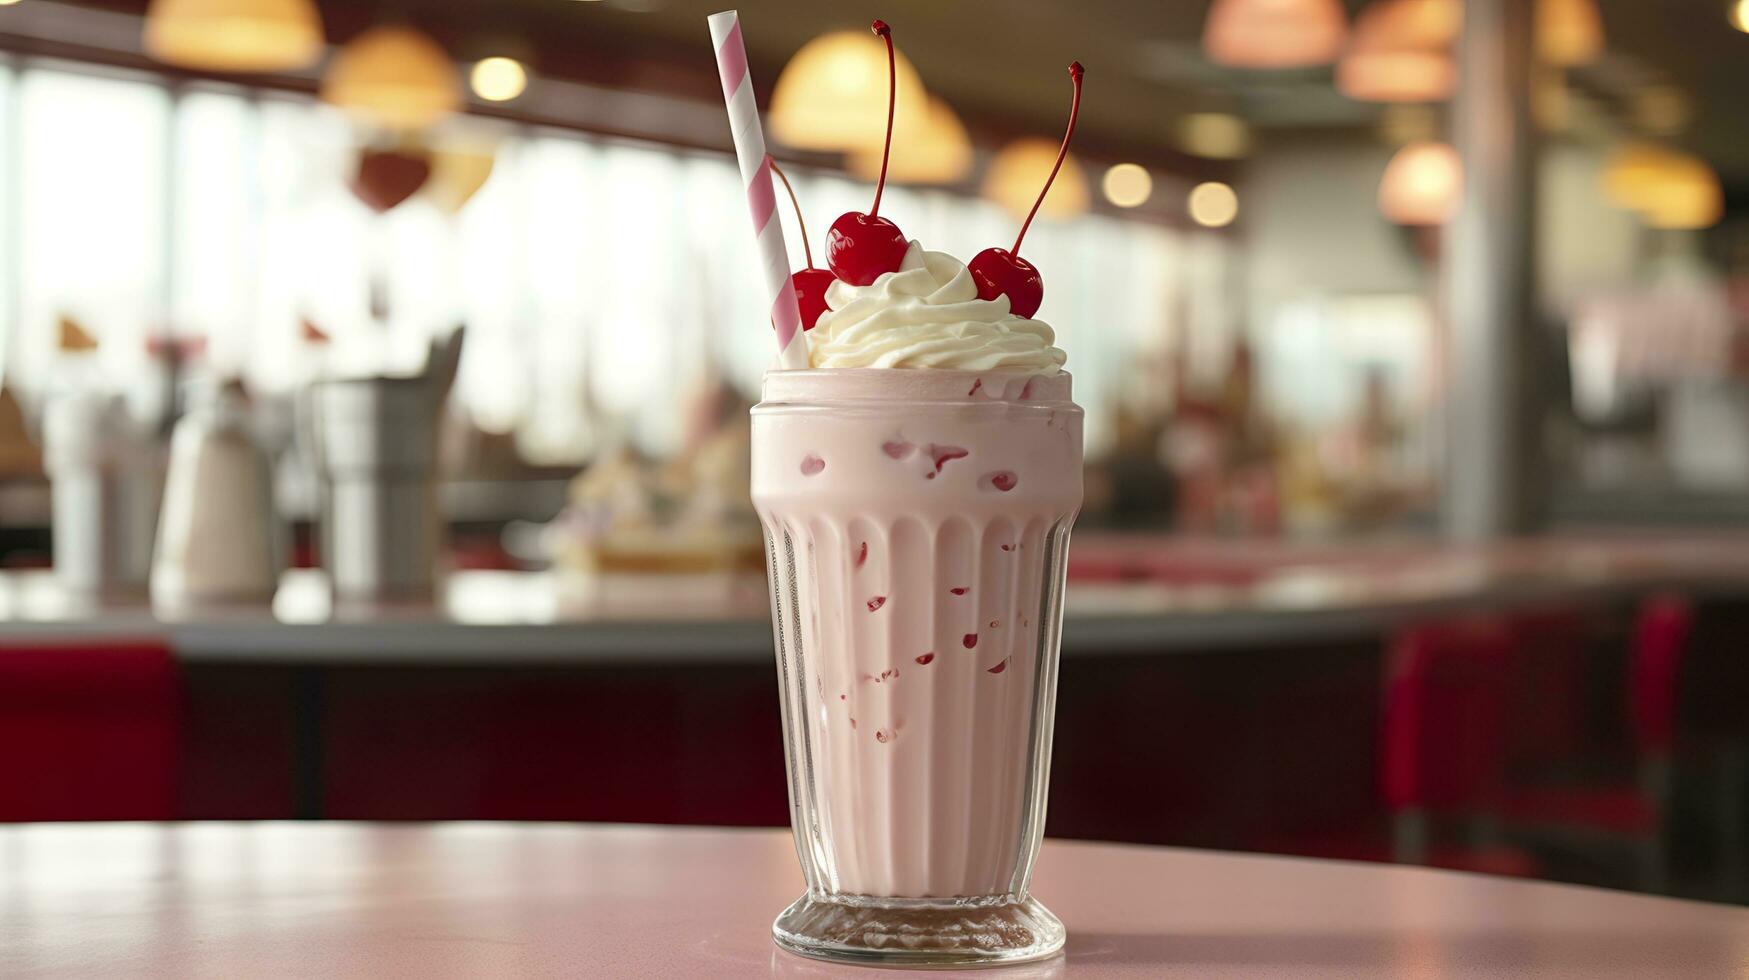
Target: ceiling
x=1000, y=62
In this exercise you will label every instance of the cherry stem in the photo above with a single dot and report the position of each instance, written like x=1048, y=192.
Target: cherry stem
x=1075, y=73
x=886, y=34
x=806, y=251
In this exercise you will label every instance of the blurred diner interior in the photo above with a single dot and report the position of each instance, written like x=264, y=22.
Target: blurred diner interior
x=373, y=431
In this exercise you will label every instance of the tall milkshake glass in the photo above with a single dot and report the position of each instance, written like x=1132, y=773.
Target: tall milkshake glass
x=916, y=525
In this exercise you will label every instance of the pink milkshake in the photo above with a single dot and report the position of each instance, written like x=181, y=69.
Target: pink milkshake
x=916, y=485
x=917, y=521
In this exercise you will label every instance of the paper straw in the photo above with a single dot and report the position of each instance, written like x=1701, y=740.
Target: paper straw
x=786, y=316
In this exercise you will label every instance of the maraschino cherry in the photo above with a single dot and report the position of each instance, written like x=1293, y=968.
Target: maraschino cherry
x=860, y=247
x=998, y=271
x=810, y=283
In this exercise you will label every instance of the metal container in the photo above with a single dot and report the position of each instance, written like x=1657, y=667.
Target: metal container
x=106, y=475
x=376, y=454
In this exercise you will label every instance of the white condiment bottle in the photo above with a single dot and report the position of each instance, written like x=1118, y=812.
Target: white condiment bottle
x=219, y=539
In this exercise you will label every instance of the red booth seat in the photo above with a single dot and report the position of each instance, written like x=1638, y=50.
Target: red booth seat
x=88, y=732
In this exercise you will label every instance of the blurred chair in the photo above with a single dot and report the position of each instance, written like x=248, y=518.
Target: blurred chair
x=89, y=732
x=1632, y=809
x=1441, y=762
x=1443, y=745
x=1661, y=635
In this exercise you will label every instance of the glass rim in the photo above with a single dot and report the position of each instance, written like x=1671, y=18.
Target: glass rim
x=913, y=386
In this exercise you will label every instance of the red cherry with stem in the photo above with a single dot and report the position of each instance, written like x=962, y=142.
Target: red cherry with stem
x=860, y=247
x=810, y=286
x=999, y=272
x=810, y=283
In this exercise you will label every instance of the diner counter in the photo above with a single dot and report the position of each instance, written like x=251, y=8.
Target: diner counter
x=1132, y=594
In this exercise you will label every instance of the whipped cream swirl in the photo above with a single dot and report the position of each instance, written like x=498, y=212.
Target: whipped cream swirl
x=928, y=315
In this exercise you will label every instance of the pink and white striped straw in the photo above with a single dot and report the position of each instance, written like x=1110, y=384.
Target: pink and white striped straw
x=786, y=316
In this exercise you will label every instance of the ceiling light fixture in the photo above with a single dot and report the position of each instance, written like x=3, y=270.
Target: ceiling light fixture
x=1422, y=185
x=1669, y=189
x=1274, y=33
x=833, y=93
x=394, y=77
x=1213, y=204
x=937, y=149
x=1400, y=52
x=498, y=79
x=1686, y=197
x=233, y=35
x=1019, y=170
x=1128, y=185
x=1214, y=135
x=1568, y=32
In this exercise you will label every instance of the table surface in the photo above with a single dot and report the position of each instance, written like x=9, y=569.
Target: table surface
x=473, y=900
x=1136, y=594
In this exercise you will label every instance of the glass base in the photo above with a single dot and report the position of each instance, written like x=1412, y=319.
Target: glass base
x=919, y=932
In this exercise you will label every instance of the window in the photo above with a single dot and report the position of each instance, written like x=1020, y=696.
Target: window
x=599, y=279
x=91, y=155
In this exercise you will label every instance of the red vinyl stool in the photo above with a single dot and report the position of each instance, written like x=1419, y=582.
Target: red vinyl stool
x=89, y=731
x=1630, y=810
x=1442, y=749
x=1442, y=743
x=1660, y=641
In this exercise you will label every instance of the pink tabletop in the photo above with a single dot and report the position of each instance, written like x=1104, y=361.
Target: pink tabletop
x=477, y=900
